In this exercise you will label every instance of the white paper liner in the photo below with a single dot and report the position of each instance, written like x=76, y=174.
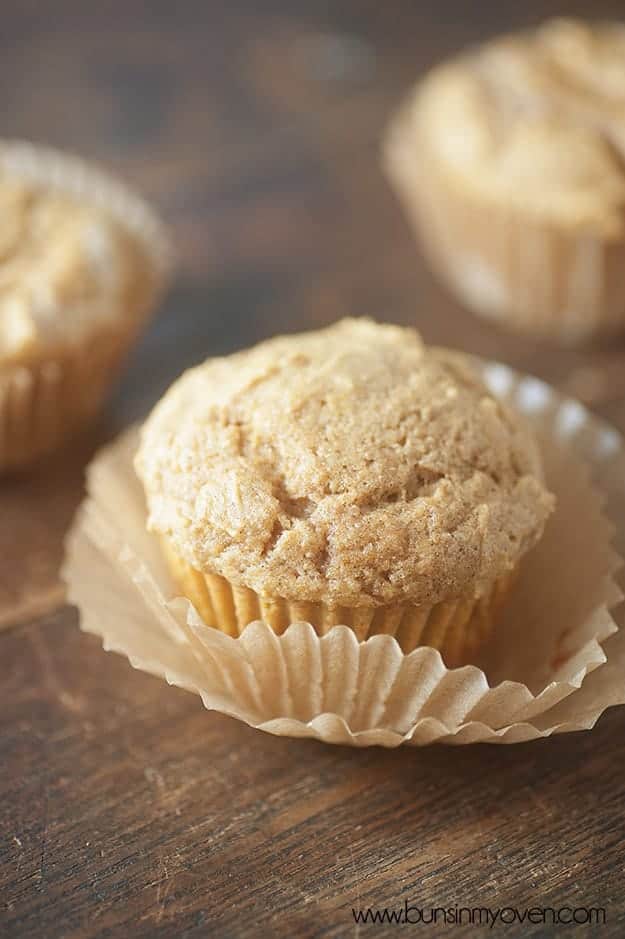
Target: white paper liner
x=340, y=691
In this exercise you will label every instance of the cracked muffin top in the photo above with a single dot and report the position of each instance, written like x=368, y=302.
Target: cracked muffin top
x=351, y=466
x=65, y=269
x=535, y=119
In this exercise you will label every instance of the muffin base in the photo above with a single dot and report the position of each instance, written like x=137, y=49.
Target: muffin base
x=44, y=402
x=458, y=628
x=525, y=272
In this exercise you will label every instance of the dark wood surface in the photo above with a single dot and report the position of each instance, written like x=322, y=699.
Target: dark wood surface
x=125, y=808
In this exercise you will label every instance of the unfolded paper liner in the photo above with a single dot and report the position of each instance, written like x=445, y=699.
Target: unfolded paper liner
x=45, y=400
x=547, y=670
x=524, y=272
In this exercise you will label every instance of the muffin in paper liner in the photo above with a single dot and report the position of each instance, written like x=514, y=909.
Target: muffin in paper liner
x=547, y=670
x=508, y=255
x=524, y=274
x=51, y=394
x=350, y=475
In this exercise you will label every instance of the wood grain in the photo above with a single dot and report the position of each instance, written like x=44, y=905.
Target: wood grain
x=125, y=808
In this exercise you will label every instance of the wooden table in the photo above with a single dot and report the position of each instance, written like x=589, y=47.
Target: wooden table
x=125, y=808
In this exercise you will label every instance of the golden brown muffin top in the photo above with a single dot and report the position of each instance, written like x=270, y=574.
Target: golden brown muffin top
x=65, y=268
x=351, y=466
x=536, y=120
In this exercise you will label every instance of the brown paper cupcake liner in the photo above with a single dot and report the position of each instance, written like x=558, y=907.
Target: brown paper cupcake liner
x=44, y=401
x=457, y=629
x=519, y=270
x=544, y=672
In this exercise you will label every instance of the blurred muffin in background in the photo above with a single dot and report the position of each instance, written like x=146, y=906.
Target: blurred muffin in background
x=346, y=476
x=510, y=162
x=82, y=263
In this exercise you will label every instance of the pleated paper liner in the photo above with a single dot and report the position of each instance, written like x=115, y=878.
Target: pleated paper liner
x=545, y=671
x=457, y=628
x=527, y=273
x=43, y=401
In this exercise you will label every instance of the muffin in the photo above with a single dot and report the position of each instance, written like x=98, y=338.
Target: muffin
x=509, y=162
x=82, y=262
x=346, y=476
